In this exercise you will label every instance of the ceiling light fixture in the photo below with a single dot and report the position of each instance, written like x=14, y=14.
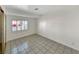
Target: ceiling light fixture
x=36, y=9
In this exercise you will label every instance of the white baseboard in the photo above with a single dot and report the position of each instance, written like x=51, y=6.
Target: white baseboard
x=59, y=42
x=21, y=37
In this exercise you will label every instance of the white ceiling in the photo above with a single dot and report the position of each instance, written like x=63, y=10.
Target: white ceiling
x=42, y=9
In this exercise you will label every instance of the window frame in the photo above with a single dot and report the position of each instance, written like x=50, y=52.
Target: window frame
x=21, y=26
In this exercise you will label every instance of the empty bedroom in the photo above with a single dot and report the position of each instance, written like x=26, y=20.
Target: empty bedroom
x=41, y=29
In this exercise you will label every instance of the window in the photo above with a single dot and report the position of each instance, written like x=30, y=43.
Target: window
x=19, y=25
x=14, y=25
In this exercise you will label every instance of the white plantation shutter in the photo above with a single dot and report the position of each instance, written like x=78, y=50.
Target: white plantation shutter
x=26, y=25
x=14, y=25
x=19, y=25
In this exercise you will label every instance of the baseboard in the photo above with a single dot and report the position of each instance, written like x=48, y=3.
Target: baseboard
x=22, y=37
x=49, y=39
x=59, y=42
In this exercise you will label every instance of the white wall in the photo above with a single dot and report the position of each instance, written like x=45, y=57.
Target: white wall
x=61, y=26
x=13, y=35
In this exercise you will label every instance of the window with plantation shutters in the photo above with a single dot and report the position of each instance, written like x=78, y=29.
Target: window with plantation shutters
x=19, y=25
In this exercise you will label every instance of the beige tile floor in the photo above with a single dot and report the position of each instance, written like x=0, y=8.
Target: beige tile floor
x=36, y=44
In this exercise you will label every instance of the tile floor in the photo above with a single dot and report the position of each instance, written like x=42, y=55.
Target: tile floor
x=36, y=44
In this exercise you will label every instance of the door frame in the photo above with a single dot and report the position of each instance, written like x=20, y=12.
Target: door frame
x=3, y=31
